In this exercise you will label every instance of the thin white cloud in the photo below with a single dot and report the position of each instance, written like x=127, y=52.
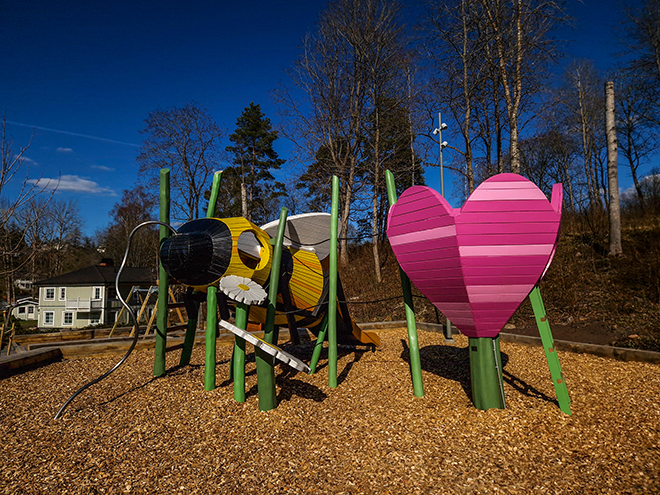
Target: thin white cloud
x=25, y=159
x=64, y=150
x=98, y=138
x=74, y=184
x=103, y=168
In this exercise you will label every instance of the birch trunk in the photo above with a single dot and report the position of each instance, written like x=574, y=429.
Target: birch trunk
x=612, y=172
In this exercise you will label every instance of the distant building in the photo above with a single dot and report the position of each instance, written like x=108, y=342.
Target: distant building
x=24, y=284
x=87, y=296
x=25, y=309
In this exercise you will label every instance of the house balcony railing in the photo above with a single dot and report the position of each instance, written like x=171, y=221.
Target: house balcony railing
x=81, y=304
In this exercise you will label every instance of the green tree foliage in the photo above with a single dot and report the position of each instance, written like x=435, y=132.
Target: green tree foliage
x=249, y=187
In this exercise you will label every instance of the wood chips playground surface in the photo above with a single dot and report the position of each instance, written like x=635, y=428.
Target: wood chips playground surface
x=132, y=433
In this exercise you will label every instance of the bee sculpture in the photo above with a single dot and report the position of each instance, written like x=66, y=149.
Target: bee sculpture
x=236, y=256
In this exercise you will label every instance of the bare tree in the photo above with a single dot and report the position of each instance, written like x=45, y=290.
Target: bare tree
x=612, y=171
x=332, y=75
x=636, y=126
x=137, y=205
x=14, y=253
x=188, y=142
x=520, y=34
x=580, y=106
x=457, y=45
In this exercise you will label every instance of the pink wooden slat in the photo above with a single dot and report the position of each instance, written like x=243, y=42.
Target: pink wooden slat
x=525, y=205
x=499, y=279
x=511, y=250
x=427, y=219
x=442, y=248
x=512, y=186
x=450, y=297
x=441, y=274
x=445, y=283
x=419, y=198
x=488, y=261
x=425, y=235
x=504, y=273
x=507, y=239
x=481, y=217
x=519, y=194
x=506, y=228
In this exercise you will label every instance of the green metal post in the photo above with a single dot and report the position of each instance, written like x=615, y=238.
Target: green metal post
x=558, y=381
x=319, y=344
x=332, y=287
x=211, y=335
x=265, y=368
x=191, y=327
x=413, y=344
x=213, y=198
x=242, y=311
x=486, y=373
x=163, y=278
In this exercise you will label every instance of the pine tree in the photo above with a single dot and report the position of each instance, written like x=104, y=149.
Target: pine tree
x=250, y=183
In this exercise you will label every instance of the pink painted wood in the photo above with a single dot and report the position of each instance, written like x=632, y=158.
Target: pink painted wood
x=477, y=264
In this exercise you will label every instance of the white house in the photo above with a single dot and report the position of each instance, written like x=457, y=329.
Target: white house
x=25, y=309
x=87, y=296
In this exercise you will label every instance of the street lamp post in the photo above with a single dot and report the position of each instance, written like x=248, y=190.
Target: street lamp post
x=443, y=144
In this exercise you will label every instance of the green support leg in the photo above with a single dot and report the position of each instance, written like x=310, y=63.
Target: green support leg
x=332, y=287
x=213, y=198
x=486, y=373
x=238, y=361
x=163, y=278
x=265, y=367
x=189, y=341
x=319, y=344
x=550, y=352
x=211, y=335
x=413, y=344
x=191, y=328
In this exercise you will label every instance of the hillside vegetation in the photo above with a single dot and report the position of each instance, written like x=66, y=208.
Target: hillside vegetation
x=584, y=287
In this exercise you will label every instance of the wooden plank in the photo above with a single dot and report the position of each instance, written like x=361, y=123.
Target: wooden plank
x=520, y=239
x=502, y=207
x=16, y=363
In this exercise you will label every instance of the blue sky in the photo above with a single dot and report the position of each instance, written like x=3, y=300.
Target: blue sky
x=83, y=76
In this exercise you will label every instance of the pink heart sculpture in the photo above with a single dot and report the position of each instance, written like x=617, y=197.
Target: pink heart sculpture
x=478, y=263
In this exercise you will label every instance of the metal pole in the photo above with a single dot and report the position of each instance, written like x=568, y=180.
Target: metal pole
x=332, y=287
x=442, y=172
x=163, y=278
x=441, y=145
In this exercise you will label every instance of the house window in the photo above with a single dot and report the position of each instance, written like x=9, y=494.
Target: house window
x=67, y=319
x=31, y=310
x=49, y=318
x=95, y=318
x=21, y=310
x=62, y=293
x=49, y=293
x=96, y=291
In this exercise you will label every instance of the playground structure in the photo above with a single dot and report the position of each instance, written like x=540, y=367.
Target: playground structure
x=229, y=263
x=476, y=264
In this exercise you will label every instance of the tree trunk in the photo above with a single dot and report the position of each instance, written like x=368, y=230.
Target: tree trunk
x=244, y=203
x=612, y=172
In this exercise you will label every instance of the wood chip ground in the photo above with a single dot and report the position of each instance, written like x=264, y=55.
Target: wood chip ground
x=132, y=433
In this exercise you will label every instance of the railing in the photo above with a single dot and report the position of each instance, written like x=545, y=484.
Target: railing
x=81, y=304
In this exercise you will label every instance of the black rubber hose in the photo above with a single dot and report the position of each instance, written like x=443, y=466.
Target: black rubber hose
x=130, y=311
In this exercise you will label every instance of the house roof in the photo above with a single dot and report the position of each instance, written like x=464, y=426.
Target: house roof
x=102, y=275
